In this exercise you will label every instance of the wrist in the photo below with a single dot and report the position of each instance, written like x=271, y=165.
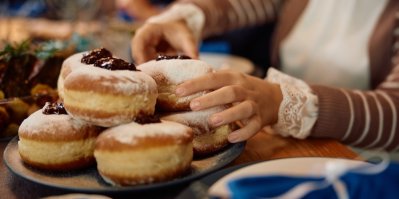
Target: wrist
x=277, y=99
x=298, y=108
x=193, y=17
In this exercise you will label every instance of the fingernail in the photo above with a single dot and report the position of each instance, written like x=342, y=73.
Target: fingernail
x=233, y=137
x=216, y=120
x=195, y=105
x=179, y=91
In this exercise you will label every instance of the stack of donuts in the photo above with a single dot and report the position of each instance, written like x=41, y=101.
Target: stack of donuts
x=108, y=113
x=170, y=71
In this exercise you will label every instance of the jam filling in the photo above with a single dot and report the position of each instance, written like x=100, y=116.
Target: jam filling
x=148, y=119
x=102, y=58
x=167, y=57
x=94, y=55
x=111, y=63
x=54, y=109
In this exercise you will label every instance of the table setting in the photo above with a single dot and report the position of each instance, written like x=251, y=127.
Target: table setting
x=16, y=186
x=263, y=154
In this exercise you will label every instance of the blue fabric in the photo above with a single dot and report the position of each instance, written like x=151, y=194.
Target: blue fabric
x=384, y=185
x=17, y=8
x=215, y=47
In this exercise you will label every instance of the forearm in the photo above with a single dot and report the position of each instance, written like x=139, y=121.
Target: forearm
x=209, y=17
x=225, y=15
x=365, y=119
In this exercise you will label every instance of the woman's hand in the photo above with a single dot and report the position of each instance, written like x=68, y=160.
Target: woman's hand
x=172, y=37
x=255, y=101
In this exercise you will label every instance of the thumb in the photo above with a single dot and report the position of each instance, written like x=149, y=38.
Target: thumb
x=183, y=40
x=144, y=42
x=190, y=46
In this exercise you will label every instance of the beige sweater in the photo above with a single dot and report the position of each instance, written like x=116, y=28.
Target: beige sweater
x=361, y=118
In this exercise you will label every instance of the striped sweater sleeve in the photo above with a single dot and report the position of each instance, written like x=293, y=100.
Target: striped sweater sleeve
x=367, y=119
x=225, y=15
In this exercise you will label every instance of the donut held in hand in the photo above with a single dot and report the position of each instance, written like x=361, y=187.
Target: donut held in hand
x=170, y=71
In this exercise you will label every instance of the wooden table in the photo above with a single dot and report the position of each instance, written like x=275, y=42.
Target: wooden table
x=261, y=147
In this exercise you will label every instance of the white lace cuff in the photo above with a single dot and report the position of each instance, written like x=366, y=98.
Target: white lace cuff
x=190, y=13
x=299, y=108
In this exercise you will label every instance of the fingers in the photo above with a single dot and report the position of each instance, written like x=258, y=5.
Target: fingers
x=249, y=130
x=242, y=111
x=190, y=48
x=224, y=95
x=182, y=40
x=152, y=39
x=213, y=81
x=144, y=43
x=238, y=112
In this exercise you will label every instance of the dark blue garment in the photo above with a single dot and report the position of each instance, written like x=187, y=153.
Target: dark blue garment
x=384, y=185
x=126, y=17
x=23, y=8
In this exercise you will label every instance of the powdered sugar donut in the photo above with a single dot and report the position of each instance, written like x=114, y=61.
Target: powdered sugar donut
x=51, y=139
x=108, y=91
x=135, y=153
x=170, y=71
x=72, y=63
x=207, y=140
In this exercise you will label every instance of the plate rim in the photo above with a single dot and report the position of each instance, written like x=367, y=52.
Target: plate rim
x=123, y=189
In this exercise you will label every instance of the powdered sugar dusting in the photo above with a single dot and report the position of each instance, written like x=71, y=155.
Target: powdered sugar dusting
x=127, y=133
x=194, y=118
x=123, y=81
x=41, y=123
x=176, y=70
x=128, y=82
x=188, y=98
x=73, y=62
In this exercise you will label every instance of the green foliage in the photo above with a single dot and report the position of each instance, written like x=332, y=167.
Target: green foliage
x=14, y=50
x=43, y=50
